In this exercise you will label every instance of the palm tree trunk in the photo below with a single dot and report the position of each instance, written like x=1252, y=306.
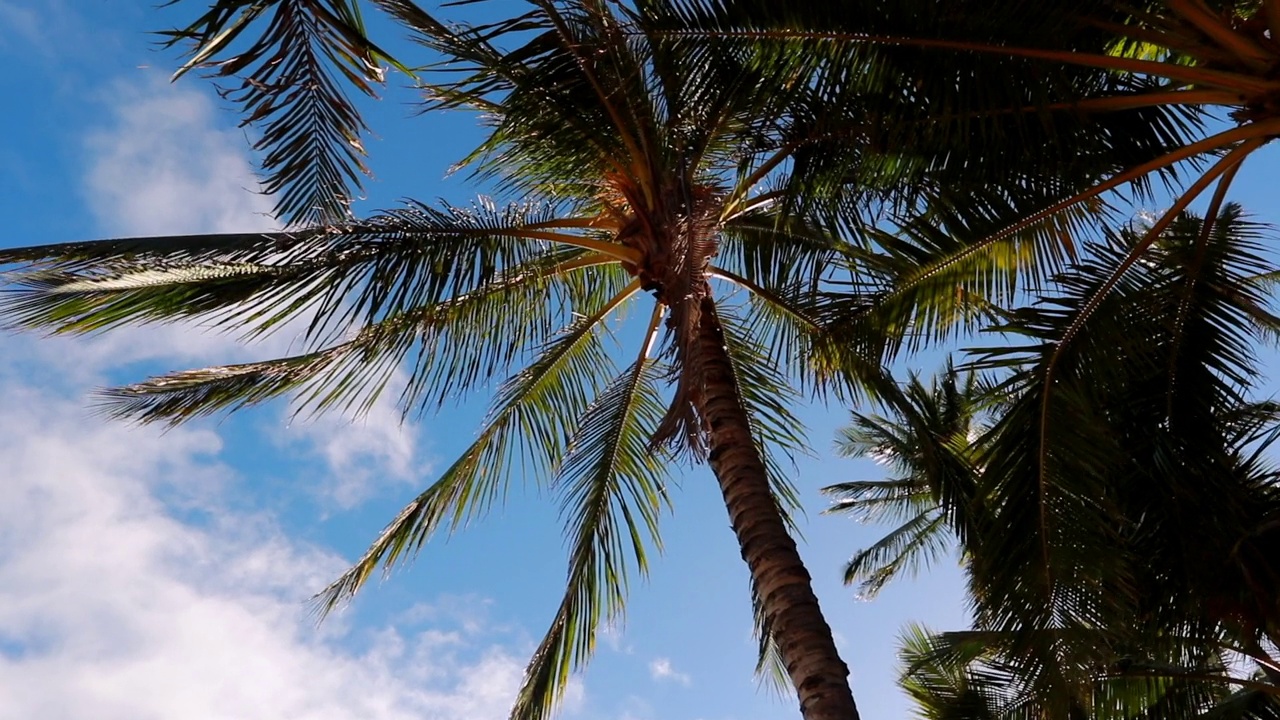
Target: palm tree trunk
x=780, y=579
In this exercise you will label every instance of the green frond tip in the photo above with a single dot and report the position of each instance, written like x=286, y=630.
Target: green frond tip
x=771, y=669
x=293, y=77
x=461, y=341
x=533, y=414
x=185, y=395
x=614, y=490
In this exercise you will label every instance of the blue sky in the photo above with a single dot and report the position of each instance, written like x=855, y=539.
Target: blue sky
x=148, y=575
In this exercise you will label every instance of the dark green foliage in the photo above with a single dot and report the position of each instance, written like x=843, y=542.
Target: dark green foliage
x=1118, y=517
x=290, y=85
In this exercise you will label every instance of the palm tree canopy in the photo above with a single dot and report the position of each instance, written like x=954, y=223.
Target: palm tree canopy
x=926, y=442
x=680, y=149
x=630, y=178
x=1118, y=517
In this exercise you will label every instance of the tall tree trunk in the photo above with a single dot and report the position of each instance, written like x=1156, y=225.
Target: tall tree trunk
x=804, y=639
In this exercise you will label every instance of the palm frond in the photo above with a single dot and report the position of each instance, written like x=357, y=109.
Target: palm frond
x=771, y=668
x=614, y=491
x=291, y=86
x=877, y=500
x=1074, y=672
x=916, y=544
x=348, y=274
x=530, y=426
x=461, y=342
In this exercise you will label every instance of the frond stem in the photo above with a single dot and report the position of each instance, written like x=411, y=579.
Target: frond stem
x=763, y=292
x=598, y=221
x=651, y=331
x=1139, y=100
x=1193, y=75
x=1254, y=131
x=742, y=188
x=1193, y=273
x=755, y=203
x=1264, y=688
x=1210, y=23
x=614, y=250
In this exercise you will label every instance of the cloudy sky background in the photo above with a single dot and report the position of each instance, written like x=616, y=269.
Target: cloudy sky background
x=148, y=574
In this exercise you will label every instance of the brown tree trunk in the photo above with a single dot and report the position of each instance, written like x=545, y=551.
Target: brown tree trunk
x=804, y=639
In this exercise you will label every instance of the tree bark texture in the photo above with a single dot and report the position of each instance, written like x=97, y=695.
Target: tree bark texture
x=804, y=639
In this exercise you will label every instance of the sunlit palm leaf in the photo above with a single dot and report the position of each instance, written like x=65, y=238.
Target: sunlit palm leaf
x=357, y=272
x=614, y=490
x=460, y=342
x=291, y=86
x=533, y=417
x=916, y=544
x=926, y=439
x=878, y=500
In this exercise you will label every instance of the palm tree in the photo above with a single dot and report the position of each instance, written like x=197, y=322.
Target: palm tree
x=1152, y=501
x=927, y=443
x=1201, y=73
x=642, y=171
x=641, y=159
x=977, y=675
x=1119, y=569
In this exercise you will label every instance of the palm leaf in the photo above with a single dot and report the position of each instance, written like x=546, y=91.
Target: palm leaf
x=531, y=422
x=461, y=342
x=614, y=491
x=917, y=543
x=352, y=273
x=291, y=86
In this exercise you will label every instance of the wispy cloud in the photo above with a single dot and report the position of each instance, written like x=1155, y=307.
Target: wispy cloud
x=130, y=586
x=660, y=669
x=112, y=607
x=362, y=455
x=20, y=24
x=162, y=165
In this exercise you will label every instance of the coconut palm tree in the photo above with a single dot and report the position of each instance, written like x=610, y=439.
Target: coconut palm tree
x=1152, y=500
x=1205, y=69
x=975, y=675
x=637, y=181
x=926, y=441
x=637, y=160
x=1121, y=569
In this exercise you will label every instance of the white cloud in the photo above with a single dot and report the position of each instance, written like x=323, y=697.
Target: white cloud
x=613, y=635
x=361, y=455
x=158, y=163
x=163, y=166
x=130, y=589
x=20, y=23
x=111, y=607
x=660, y=669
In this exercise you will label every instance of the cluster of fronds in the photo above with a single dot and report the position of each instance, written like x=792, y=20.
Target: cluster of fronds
x=874, y=176
x=1115, y=509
